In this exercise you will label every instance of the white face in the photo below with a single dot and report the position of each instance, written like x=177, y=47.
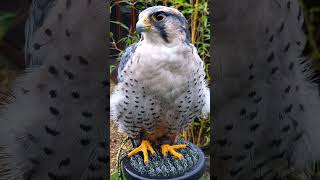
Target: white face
x=163, y=25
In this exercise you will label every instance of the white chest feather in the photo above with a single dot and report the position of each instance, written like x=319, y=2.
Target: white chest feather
x=163, y=71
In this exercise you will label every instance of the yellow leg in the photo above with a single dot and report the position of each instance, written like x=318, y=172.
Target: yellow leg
x=144, y=147
x=167, y=148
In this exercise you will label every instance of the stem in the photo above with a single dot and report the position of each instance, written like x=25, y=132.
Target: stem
x=133, y=17
x=192, y=133
x=118, y=18
x=200, y=132
x=194, y=24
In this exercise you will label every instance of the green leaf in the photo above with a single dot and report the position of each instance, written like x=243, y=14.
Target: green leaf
x=112, y=68
x=6, y=19
x=121, y=24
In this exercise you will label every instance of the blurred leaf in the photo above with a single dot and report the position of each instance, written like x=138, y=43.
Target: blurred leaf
x=121, y=24
x=112, y=68
x=6, y=19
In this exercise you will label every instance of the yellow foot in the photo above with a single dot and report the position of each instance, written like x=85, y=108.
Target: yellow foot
x=166, y=147
x=144, y=147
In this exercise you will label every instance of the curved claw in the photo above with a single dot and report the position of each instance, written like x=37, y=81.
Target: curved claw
x=167, y=148
x=144, y=147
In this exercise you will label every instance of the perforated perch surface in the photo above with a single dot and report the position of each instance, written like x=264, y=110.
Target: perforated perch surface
x=160, y=166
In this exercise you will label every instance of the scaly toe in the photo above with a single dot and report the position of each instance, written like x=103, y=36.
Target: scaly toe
x=144, y=147
x=165, y=148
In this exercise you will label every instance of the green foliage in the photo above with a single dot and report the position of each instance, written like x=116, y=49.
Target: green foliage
x=312, y=21
x=5, y=22
x=117, y=176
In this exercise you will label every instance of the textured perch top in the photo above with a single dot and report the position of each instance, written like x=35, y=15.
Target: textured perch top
x=160, y=166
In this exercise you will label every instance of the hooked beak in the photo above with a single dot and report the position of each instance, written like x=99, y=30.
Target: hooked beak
x=143, y=25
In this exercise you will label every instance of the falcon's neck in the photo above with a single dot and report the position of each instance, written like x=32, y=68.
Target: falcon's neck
x=171, y=39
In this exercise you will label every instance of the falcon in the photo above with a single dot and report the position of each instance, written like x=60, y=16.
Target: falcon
x=161, y=83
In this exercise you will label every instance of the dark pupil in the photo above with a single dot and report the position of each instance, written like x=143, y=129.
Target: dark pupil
x=159, y=17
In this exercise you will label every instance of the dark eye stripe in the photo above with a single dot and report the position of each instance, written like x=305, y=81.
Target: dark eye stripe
x=161, y=27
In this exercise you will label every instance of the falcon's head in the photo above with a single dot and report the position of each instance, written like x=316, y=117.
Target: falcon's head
x=163, y=25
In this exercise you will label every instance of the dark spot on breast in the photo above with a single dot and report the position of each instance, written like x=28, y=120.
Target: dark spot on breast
x=67, y=57
x=64, y=162
x=301, y=107
x=48, y=32
x=287, y=47
x=281, y=27
x=274, y=70
x=254, y=127
x=48, y=151
x=89, y=2
x=253, y=115
x=83, y=60
x=69, y=74
x=271, y=39
x=287, y=90
x=297, y=137
x=288, y=109
x=68, y=4
x=250, y=66
x=86, y=114
x=85, y=142
x=60, y=17
x=271, y=57
x=52, y=70
x=54, y=111
x=52, y=132
x=275, y=143
x=25, y=91
x=285, y=128
x=228, y=127
x=85, y=128
x=75, y=95
x=53, y=93
x=68, y=33
x=36, y=46
x=257, y=100
x=243, y=111
x=32, y=138
x=299, y=14
x=249, y=145
x=252, y=93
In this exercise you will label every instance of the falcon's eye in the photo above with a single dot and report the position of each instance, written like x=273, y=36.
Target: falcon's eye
x=158, y=16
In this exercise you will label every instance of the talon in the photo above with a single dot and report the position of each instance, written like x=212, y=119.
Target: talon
x=144, y=147
x=167, y=148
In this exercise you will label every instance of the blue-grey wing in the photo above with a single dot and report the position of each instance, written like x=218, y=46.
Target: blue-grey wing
x=38, y=13
x=127, y=55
